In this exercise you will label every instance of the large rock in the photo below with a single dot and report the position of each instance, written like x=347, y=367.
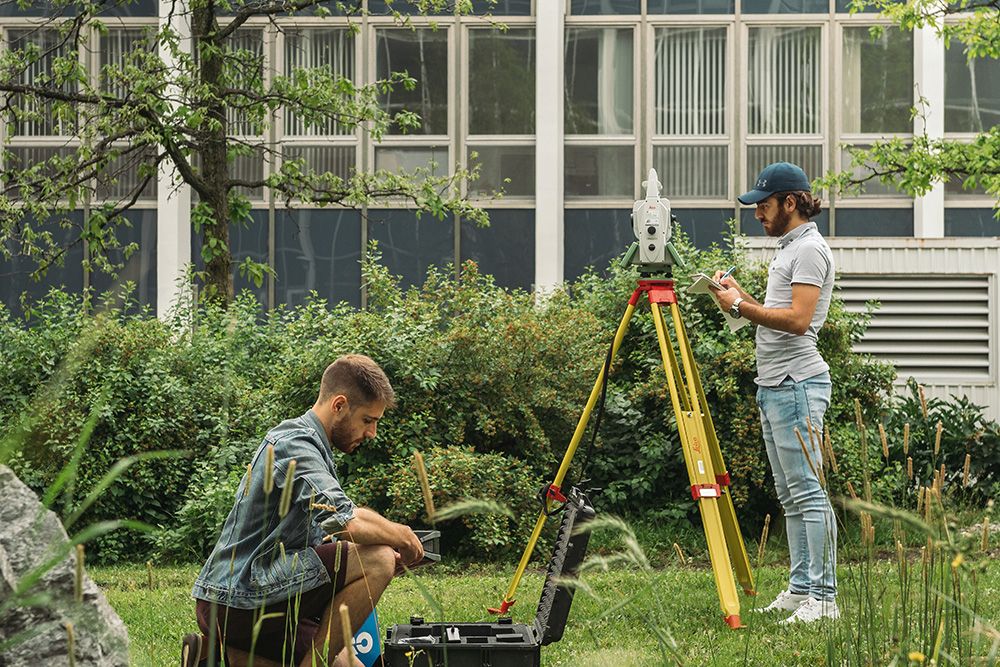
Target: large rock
x=33, y=624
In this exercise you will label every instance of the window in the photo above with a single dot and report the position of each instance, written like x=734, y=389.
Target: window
x=971, y=91
x=691, y=123
x=245, y=69
x=599, y=83
x=15, y=271
x=245, y=240
x=876, y=95
x=593, y=238
x=501, y=103
x=118, y=47
x=784, y=81
x=324, y=144
x=423, y=54
x=690, y=6
x=45, y=48
x=505, y=249
x=877, y=81
x=140, y=267
x=409, y=158
x=785, y=6
x=874, y=222
x=317, y=48
x=971, y=222
x=598, y=111
x=584, y=7
x=502, y=82
x=318, y=250
x=411, y=245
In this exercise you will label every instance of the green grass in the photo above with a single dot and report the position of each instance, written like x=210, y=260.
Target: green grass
x=681, y=600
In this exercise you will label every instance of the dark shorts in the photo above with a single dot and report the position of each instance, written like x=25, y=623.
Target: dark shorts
x=286, y=638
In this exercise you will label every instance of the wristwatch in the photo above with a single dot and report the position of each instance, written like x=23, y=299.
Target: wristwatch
x=734, y=309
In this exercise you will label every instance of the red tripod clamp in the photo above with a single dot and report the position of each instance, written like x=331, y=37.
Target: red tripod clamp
x=505, y=605
x=552, y=492
x=658, y=291
x=705, y=491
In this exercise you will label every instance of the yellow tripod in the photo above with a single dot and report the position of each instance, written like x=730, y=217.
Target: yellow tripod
x=706, y=470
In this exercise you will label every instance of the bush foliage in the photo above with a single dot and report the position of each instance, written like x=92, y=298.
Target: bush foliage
x=490, y=386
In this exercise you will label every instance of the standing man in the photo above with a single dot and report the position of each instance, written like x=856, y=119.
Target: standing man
x=274, y=583
x=793, y=381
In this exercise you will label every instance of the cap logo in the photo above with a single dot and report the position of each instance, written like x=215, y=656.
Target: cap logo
x=762, y=183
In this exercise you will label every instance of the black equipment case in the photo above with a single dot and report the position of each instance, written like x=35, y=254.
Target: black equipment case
x=502, y=643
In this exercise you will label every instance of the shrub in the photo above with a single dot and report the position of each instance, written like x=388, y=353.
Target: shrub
x=457, y=474
x=159, y=389
x=491, y=378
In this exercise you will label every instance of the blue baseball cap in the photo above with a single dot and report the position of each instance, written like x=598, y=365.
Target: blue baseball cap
x=777, y=177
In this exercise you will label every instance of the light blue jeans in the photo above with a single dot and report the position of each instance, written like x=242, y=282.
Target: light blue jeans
x=809, y=520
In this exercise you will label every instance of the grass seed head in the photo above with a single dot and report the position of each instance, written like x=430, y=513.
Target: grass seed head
x=906, y=438
x=269, y=470
x=285, y=503
x=425, y=485
x=763, y=539
x=70, y=644
x=829, y=449
x=680, y=554
x=78, y=579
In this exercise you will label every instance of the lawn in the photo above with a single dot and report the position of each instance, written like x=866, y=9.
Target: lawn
x=613, y=630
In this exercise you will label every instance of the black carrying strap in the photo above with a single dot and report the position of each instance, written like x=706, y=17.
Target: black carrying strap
x=543, y=493
x=600, y=416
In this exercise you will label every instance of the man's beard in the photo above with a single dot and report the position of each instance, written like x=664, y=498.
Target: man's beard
x=781, y=221
x=340, y=436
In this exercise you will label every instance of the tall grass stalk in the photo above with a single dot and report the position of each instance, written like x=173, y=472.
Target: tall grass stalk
x=930, y=615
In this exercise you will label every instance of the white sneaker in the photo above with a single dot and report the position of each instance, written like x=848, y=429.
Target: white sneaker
x=813, y=610
x=787, y=601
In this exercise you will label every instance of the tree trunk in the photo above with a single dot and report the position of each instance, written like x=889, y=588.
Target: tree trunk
x=212, y=143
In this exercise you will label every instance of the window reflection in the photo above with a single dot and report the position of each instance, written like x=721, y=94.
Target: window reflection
x=318, y=250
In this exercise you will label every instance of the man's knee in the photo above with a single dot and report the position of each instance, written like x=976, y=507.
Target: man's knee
x=378, y=560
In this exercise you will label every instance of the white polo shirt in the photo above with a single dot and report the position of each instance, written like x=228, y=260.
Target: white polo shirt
x=803, y=257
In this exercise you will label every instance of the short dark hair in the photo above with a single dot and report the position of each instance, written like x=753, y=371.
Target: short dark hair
x=805, y=202
x=358, y=378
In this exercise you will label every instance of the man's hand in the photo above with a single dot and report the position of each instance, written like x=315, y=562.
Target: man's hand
x=726, y=281
x=727, y=296
x=411, y=550
x=370, y=527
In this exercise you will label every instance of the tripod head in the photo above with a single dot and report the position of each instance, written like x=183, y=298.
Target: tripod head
x=652, y=252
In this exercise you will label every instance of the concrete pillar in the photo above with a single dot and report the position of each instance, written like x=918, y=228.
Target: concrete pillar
x=549, y=85
x=928, y=74
x=173, y=199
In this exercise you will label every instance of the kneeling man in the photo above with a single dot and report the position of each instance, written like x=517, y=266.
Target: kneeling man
x=273, y=565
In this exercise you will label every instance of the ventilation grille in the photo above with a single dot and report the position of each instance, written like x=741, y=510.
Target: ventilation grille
x=934, y=328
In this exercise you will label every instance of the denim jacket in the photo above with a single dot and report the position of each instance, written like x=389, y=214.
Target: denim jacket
x=260, y=557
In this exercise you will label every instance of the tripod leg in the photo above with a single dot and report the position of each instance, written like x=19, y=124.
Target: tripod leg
x=581, y=427
x=734, y=536
x=702, y=477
